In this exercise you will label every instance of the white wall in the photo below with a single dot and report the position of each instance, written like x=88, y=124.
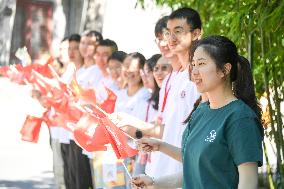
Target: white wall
x=132, y=28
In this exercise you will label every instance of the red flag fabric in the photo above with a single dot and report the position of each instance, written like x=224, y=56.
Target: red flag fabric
x=54, y=86
x=4, y=71
x=44, y=69
x=67, y=119
x=75, y=87
x=74, y=112
x=15, y=75
x=109, y=104
x=31, y=128
x=27, y=71
x=90, y=135
x=88, y=95
x=38, y=85
x=118, y=140
x=98, y=112
x=52, y=92
x=19, y=67
x=52, y=118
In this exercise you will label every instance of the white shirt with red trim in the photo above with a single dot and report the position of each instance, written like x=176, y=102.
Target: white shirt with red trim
x=180, y=102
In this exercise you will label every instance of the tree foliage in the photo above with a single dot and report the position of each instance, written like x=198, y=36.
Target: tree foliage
x=257, y=27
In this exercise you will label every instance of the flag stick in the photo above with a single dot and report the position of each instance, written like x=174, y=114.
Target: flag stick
x=54, y=73
x=129, y=175
x=129, y=135
x=102, y=110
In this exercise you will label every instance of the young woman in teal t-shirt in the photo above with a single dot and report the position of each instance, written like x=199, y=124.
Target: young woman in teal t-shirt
x=222, y=144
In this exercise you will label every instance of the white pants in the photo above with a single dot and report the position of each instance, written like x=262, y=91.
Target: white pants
x=58, y=168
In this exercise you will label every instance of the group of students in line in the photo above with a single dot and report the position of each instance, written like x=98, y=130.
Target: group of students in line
x=193, y=106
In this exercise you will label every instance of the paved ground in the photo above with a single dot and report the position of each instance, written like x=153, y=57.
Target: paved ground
x=23, y=165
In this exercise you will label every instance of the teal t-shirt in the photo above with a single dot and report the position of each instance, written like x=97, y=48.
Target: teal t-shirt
x=216, y=141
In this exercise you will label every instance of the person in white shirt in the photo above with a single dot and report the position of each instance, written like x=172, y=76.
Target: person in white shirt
x=104, y=51
x=150, y=82
x=91, y=74
x=58, y=163
x=114, y=82
x=129, y=98
x=160, y=69
x=134, y=99
x=87, y=76
x=183, y=28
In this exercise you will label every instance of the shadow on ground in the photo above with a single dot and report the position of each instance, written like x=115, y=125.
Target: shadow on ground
x=45, y=181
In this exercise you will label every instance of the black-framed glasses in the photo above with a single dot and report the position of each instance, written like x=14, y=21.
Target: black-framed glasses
x=177, y=33
x=161, y=42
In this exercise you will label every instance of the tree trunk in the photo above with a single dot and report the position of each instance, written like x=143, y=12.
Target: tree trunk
x=266, y=84
x=7, y=15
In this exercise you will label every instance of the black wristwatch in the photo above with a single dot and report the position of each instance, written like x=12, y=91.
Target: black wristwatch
x=138, y=134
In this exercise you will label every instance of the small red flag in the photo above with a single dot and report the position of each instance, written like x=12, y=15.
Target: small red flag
x=88, y=95
x=118, y=140
x=89, y=134
x=31, y=128
x=15, y=75
x=44, y=69
x=54, y=86
x=4, y=71
x=109, y=104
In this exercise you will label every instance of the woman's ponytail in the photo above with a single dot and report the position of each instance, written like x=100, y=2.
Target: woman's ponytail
x=243, y=86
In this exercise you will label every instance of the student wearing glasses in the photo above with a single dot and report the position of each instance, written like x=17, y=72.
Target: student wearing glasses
x=179, y=94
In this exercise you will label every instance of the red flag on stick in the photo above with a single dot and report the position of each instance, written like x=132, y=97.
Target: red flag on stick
x=54, y=86
x=52, y=118
x=88, y=95
x=118, y=140
x=44, y=69
x=67, y=119
x=89, y=134
x=109, y=104
x=15, y=75
x=4, y=70
x=31, y=128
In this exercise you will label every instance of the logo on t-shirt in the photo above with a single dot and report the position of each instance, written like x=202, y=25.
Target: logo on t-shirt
x=212, y=136
x=182, y=94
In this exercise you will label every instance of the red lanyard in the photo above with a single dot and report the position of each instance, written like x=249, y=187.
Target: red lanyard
x=147, y=112
x=166, y=93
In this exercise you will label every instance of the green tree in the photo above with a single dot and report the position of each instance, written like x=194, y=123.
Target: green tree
x=256, y=26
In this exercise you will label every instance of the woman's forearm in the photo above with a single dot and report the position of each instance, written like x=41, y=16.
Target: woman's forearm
x=170, y=150
x=248, y=177
x=169, y=181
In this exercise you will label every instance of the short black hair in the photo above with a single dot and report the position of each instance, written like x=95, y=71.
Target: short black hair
x=66, y=38
x=74, y=37
x=109, y=43
x=192, y=17
x=160, y=25
x=117, y=55
x=93, y=33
